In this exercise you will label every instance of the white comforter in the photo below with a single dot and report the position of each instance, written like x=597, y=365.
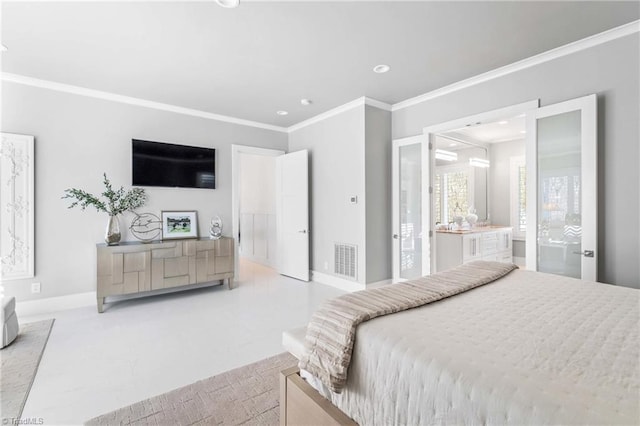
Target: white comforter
x=530, y=348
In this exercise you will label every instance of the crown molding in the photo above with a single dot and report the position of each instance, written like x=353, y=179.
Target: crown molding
x=98, y=94
x=577, y=46
x=323, y=116
x=378, y=104
x=339, y=110
x=567, y=49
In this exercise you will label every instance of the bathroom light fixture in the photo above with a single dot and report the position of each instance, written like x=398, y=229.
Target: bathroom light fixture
x=381, y=69
x=229, y=4
x=441, y=154
x=478, y=162
x=282, y=113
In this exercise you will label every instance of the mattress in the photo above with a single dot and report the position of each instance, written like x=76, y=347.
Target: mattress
x=530, y=348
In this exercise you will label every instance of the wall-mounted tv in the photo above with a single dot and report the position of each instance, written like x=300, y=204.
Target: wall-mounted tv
x=170, y=165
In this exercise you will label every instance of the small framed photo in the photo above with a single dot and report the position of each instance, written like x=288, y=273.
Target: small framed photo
x=179, y=224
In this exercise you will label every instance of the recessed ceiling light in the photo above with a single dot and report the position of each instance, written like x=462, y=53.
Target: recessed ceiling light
x=453, y=144
x=503, y=122
x=381, y=69
x=228, y=3
x=306, y=102
x=282, y=113
x=3, y=48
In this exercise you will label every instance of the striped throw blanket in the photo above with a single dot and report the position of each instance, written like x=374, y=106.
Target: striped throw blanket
x=332, y=330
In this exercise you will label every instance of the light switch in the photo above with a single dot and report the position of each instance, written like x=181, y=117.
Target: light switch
x=353, y=199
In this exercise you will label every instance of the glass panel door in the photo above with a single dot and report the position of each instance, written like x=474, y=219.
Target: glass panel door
x=410, y=209
x=562, y=148
x=559, y=195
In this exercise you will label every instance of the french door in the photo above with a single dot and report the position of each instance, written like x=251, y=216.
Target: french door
x=411, y=208
x=562, y=189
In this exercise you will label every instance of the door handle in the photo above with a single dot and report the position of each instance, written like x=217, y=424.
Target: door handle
x=304, y=231
x=395, y=236
x=586, y=253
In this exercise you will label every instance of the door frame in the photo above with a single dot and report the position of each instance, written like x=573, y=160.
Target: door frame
x=587, y=105
x=395, y=200
x=236, y=151
x=431, y=131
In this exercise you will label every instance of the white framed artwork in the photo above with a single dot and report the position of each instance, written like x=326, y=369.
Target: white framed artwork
x=17, y=247
x=179, y=224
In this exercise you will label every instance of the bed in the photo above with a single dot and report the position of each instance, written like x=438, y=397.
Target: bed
x=527, y=348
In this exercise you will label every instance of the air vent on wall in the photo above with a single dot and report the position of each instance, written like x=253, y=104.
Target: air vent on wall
x=346, y=260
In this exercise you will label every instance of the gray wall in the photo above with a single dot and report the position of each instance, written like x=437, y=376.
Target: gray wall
x=610, y=70
x=76, y=140
x=378, y=193
x=337, y=171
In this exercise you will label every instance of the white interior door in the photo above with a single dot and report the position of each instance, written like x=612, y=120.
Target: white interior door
x=562, y=188
x=292, y=211
x=411, y=208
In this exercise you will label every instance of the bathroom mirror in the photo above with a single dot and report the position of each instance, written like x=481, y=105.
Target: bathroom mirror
x=460, y=179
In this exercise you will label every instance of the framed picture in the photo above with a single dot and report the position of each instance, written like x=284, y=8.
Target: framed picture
x=179, y=224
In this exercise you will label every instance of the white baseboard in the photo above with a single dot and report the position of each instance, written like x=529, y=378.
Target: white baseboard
x=54, y=304
x=379, y=283
x=336, y=282
x=520, y=261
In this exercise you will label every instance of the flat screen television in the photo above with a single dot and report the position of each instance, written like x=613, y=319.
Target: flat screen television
x=170, y=165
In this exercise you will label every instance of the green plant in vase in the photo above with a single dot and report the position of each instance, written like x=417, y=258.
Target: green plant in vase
x=113, y=202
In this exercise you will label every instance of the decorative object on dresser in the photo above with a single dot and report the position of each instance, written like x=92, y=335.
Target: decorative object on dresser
x=114, y=203
x=16, y=207
x=215, y=230
x=179, y=224
x=134, y=268
x=146, y=227
x=456, y=247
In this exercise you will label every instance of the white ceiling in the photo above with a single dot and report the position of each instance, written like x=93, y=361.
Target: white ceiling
x=504, y=130
x=263, y=57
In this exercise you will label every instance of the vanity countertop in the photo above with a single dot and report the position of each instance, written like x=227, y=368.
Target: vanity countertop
x=477, y=230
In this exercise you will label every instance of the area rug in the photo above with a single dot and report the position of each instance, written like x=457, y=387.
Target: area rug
x=248, y=395
x=20, y=361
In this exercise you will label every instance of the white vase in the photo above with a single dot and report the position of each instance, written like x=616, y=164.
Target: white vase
x=472, y=218
x=112, y=234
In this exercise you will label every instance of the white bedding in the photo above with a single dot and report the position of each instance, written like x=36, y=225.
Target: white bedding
x=530, y=348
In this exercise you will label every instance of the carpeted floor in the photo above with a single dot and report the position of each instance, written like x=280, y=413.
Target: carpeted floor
x=20, y=362
x=248, y=395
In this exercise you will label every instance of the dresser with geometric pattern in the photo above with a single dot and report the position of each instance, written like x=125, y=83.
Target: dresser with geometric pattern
x=134, y=267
